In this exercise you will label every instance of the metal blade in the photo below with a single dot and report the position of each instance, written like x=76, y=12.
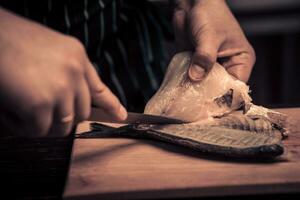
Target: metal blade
x=132, y=118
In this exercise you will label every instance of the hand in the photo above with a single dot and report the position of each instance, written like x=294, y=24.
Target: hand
x=47, y=83
x=209, y=29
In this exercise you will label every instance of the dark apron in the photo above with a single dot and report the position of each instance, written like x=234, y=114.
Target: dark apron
x=124, y=40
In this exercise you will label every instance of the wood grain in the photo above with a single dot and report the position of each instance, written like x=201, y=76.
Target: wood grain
x=118, y=168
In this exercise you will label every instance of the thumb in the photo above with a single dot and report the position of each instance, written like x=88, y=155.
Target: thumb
x=204, y=57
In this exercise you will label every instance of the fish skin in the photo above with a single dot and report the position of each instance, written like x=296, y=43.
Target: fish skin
x=227, y=136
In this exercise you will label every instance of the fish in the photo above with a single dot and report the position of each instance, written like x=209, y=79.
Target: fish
x=234, y=135
x=218, y=114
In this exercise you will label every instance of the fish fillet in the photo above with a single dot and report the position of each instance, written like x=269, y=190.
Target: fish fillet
x=178, y=97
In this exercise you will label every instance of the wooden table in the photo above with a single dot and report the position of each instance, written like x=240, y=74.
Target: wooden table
x=119, y=168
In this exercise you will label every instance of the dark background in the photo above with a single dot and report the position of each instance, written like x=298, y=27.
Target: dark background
x=273, y=27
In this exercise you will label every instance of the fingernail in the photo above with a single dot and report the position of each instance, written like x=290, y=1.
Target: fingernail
x=196, y=73
x=122, y=113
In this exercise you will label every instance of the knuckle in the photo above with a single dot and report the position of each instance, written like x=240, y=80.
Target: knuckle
x=99, y=91
x=39, y=102
x=74, y=65
x=63, y=87
x=74, y=59
x=76, y=44
x=77, y=48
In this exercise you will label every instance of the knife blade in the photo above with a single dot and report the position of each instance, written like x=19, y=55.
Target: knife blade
x=132, y=118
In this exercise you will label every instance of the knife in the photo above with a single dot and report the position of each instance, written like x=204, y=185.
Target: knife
x=132, y=118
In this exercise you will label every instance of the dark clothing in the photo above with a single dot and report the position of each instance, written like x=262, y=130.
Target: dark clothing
x=124, y=40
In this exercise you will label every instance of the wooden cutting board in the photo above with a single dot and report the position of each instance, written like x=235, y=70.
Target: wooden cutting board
x=119, y=168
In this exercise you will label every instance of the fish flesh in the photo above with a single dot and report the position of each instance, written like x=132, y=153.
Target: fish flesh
x=179, y=97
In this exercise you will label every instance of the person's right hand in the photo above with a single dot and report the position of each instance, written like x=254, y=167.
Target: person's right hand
x=47, y=83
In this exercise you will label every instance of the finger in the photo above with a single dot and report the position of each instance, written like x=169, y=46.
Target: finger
x=38, y=122
x=205, y=55
x=82, y=102
x=240, y=65
x=63, y=116
x=102, y=97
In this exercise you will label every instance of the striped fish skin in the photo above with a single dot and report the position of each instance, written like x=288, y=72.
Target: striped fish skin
x=234, y=135
x=234, y=130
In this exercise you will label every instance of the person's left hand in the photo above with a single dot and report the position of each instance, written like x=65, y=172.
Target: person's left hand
x=208, y=28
